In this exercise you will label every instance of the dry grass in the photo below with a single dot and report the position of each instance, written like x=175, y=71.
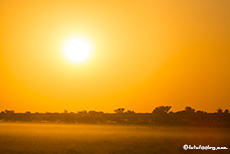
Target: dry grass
x=101, y=139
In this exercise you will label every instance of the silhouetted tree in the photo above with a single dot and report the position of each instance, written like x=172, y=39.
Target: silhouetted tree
x=92, y=112
x=119, y=110
x=9, y=111
x=200, y=112
x=226, y=111
x=130, y=112
x=189, y=109
x=82, y=112
x=219, y=111
x=162, y=109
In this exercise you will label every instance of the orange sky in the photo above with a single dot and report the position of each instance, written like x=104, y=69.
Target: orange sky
x=146, y=53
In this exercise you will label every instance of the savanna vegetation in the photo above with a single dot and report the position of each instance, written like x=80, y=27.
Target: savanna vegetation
x=160, y=116
x=123, y=132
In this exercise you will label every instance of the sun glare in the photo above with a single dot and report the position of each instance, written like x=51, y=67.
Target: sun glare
x=77, y=49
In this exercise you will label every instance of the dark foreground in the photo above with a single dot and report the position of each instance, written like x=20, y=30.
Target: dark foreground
x=107, y=139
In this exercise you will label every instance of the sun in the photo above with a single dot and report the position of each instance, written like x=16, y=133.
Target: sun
x=77, y=49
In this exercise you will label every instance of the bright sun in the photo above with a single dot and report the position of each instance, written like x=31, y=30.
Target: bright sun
x=77, y=49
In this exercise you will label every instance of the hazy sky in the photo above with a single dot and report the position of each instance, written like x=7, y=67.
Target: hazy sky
x=146, y=53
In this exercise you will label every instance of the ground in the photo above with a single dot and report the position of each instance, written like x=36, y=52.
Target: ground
x=18, y=138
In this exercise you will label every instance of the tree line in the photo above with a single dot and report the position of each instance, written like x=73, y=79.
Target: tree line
x=160, y=116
